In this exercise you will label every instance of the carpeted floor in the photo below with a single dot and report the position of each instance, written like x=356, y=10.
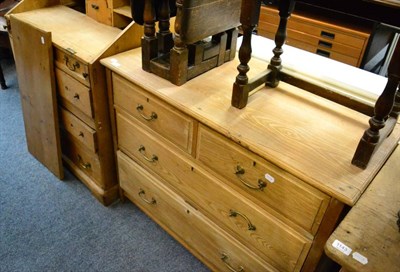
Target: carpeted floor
x=52, y=225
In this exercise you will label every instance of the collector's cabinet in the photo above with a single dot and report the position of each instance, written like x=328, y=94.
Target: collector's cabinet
x=63, y=88
x=337, y=40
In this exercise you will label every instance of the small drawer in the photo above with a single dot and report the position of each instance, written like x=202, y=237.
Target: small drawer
x=220, y=250
x=100, y=11
x=265, y=182
x=74, y=92
x=85, y=160
x=278, y=243
x=79, y=130
x=324, y=52
x=72, y=66
x=160, y=117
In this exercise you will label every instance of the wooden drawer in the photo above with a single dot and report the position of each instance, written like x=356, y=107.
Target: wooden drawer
x=74, y=92
x=160, y=117
x=283, y=247
x=71, y=65
x=78, y=129
x=264, y=181
x=99, y=10
x=206, y=240
x=85, y=160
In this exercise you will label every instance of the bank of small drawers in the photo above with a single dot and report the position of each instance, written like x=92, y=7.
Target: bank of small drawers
x=176, y=182
x=76, y=115
x=345, y=44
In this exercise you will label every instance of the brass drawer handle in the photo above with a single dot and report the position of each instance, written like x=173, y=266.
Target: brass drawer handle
x=224, y=258
x=233, y=213
x=142, y=194
x=94, y=6
x=142, y=151
x=76, y=96
x=398, y=220
x=85, y=165
x=239, y=171
x=81, y=134
x=72, y=66
x=153, y=115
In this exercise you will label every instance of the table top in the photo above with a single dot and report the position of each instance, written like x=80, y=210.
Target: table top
x=368, y=239
x=306, y=135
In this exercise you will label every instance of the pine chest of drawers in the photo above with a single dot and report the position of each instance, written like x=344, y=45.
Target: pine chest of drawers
x=71, y=45
x=252, y=189
x=346, y=44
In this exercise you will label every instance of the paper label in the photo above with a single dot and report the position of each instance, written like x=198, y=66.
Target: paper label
x=269, y=178
x=42, y=40
x=342, y=247
x=360, y=258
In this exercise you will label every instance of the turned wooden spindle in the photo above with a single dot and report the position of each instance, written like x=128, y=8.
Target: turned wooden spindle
x=286, y=8
x=383, y=109
x=149, y=40
x=164, y=35
x=179, y=52
x=250, y=12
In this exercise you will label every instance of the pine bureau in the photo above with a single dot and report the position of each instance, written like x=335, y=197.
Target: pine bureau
x=65, y=64
x=257, y=189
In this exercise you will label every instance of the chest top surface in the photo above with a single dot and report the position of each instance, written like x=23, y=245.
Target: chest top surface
x=306, y=135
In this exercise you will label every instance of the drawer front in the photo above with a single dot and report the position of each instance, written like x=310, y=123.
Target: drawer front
x=74, y=92
x=203, y=237
x=84, y=159
x=324, y=52
x=284, y=248
x=74, y=67
x=99, y=11
x=170, y=123
x=265, y=182
x=315, y=29
x=79, y=130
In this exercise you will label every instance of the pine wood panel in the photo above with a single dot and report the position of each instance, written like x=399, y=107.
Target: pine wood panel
x=84, y=36
x=38, y=95
x=185, y=223
x=370, y=227
x=293, y=129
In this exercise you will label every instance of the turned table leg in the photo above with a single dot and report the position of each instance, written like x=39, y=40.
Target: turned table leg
x=387, y=105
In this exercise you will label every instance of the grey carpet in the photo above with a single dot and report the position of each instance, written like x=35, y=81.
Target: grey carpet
x=52, y=225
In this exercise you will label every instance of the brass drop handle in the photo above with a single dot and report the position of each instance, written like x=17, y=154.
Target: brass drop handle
x=224, y=258
x=94, y=6
x=70, y=66
x=239, y=171
x=153, y=115
x=142, y=193
x=233, y=213
x=142, y=150
x=81, y=134
x=76, y=96
x=85, y=165
x=398, y=220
